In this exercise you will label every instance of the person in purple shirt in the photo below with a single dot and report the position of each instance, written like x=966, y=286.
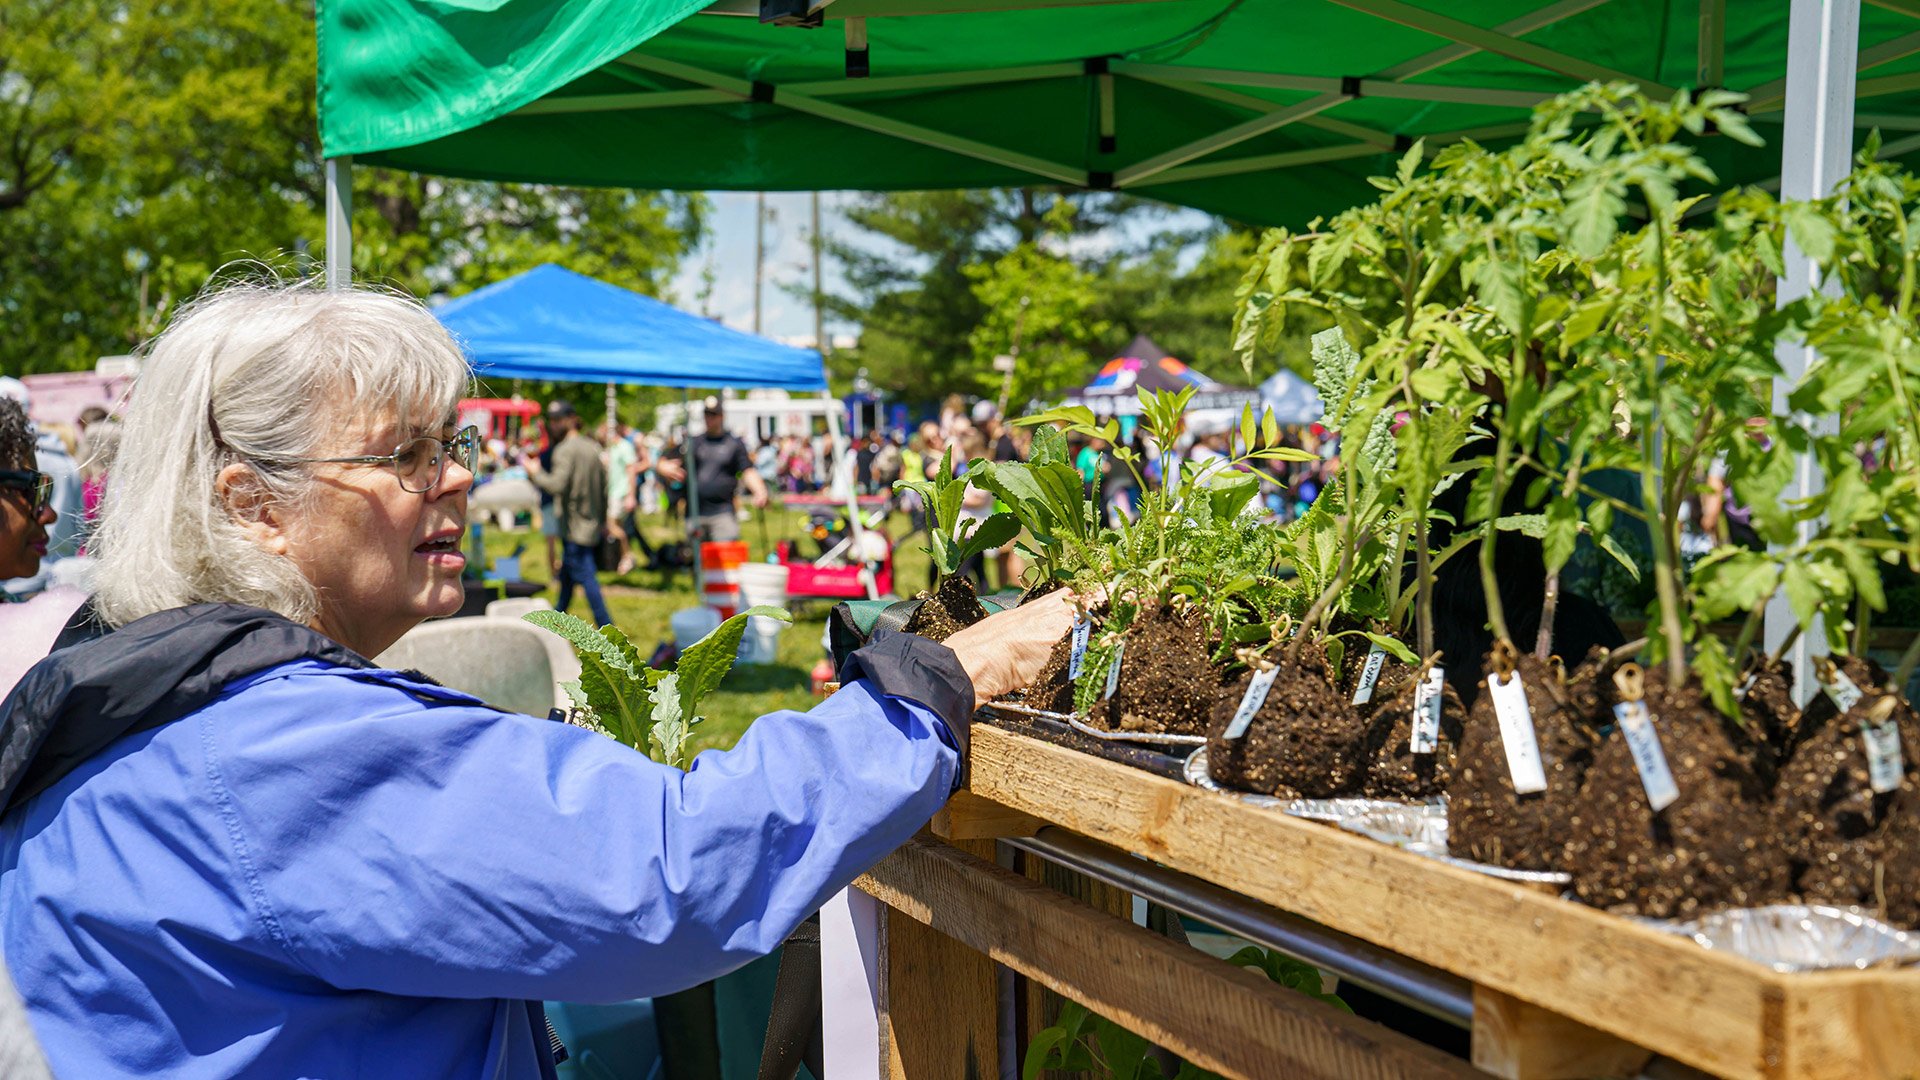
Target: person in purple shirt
x=230, y=845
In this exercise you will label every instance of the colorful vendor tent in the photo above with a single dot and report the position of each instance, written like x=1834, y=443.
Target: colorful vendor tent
x=1144, y=365
x=551, y=323
x=1266, y=111
x=1291, y=399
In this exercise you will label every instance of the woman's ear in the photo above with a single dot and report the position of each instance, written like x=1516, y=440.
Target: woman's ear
x=247, y=503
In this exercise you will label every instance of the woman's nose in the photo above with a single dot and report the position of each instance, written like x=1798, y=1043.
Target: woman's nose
x=47, y=515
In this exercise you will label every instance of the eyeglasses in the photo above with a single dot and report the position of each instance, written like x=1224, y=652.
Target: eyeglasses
x=421, y=463
x=36, y=486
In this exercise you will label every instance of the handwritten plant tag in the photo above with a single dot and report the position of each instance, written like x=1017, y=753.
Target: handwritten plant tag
x=1427, y=701
x=1082, y=629
x=1516, y=734
x=1369, y=675
x=1251, y=701
x=1113, y=673
x=1844, y=691
x=1651, y=761
x=1883, y=755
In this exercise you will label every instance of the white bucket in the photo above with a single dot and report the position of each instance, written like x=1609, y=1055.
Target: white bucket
x=692, y=624
x=762, y=583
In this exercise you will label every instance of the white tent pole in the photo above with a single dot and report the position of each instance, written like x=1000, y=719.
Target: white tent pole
x=843, y=465
x=1823, y=51
x=339, y=175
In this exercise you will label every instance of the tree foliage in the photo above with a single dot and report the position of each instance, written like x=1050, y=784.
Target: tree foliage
x=143, y=146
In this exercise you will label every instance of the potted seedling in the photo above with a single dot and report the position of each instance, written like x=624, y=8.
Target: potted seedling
x=952, y=540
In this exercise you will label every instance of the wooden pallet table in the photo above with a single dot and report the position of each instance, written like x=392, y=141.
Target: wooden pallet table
x=1559, y=989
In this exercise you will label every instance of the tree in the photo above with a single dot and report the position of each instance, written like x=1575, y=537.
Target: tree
x=144, y=146
x=1036, y=306
x=912, y=293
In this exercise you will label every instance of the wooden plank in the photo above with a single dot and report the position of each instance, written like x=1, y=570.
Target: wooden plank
x=969, y=817
x=1228, y=1019
x=940, y=1003
x=1862, y=1023
x=1518, y=1041
x=1707, y=1009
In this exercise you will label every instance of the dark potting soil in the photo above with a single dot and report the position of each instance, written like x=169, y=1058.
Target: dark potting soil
x=1167, y=678
x=1306, y=740
x=1486, y=819
x=1707, y=850
x=1769, y=713
x=953, y=607
x=1040, y=589
x=1394, y=771
x=1838, y=832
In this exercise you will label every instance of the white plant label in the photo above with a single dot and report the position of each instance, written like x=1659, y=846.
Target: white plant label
x=1113, y=673
x=1740, y=692
x=1369, y=675
x=1427, y=701
x=1082, y=629
x=1644, y=742
x=1251, y=701
x=1517, y=735
x=1883, y=755
x=1844, y=692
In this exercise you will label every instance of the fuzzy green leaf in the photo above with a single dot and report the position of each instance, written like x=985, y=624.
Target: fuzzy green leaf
x=706, y=662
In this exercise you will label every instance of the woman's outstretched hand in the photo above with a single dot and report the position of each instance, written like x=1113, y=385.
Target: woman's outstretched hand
x=1005, y=651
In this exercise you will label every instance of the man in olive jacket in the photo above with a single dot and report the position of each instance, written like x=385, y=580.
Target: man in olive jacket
x=578, y=484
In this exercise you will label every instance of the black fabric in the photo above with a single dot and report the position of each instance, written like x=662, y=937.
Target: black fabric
x=147, y=674
x=84, y=624
x=922, y=671
x=718, y=460
x=796, y=1033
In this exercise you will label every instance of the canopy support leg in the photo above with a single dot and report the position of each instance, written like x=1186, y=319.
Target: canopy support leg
x=339, y=176
x=693, y=500
x=1823, y=49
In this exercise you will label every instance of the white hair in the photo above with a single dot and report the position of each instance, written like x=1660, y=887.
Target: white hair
x=255, y=374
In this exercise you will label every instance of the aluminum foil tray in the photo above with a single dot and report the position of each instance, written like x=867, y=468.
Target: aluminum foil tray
x=1417, y=827
x=1079, y=724
x=1800, y=937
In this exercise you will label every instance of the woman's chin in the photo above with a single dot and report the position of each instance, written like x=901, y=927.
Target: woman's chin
x=443, y=600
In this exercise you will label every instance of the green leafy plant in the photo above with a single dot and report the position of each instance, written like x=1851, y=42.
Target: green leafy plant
x=650, y=710
x=951, y=538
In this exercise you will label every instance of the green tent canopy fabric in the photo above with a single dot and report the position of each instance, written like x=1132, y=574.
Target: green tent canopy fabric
x=1266, y=111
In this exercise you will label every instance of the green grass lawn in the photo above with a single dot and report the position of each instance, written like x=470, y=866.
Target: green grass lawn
x=643, y=601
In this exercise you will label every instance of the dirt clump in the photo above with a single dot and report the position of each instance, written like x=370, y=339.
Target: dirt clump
x=1167, y=677
x=951, y=608
x=1704, y=851
x=1394, y=771
x=1487, y=820
x=1306, y=739
x=1839, y=832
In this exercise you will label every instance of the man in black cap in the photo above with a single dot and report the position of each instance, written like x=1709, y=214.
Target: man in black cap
x=723, y=464
x=578, y=483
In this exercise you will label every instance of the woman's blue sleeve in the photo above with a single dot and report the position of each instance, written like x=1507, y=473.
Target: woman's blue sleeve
x=453, y=851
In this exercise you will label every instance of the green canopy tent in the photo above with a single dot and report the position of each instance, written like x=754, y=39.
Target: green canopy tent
x=1268, y=111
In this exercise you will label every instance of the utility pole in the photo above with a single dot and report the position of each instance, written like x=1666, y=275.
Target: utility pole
x=759, y=251
x=819, y=297
x=1009, y=362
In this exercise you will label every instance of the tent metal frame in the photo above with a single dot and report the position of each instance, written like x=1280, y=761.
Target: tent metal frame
x=1816, y=98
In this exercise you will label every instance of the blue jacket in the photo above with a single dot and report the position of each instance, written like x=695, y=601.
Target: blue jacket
x=335, y=871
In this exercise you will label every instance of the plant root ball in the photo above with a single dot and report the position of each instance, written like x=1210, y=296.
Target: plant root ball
x=1394, y=771
x=953, y=607
x=1306, y=740
x=1167, y=678
x=1837, y=831
x=1487, y=820
x=1709, y=849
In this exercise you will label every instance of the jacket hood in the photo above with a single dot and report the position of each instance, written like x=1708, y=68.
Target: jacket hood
x=148, y=673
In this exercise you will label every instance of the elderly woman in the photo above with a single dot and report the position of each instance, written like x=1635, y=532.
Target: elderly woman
x=236, y=847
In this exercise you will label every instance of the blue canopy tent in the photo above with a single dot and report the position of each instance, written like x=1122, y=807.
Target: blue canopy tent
x=554, y=324
x=551, y=323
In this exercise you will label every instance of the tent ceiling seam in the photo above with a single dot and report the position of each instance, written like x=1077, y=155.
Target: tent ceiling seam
x=1493, y=41
x=747, y=90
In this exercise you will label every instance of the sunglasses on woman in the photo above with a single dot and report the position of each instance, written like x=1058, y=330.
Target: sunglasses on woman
x=35, y=485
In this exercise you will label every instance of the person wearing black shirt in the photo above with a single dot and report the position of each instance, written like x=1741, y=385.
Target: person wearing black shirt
x=723, y=464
